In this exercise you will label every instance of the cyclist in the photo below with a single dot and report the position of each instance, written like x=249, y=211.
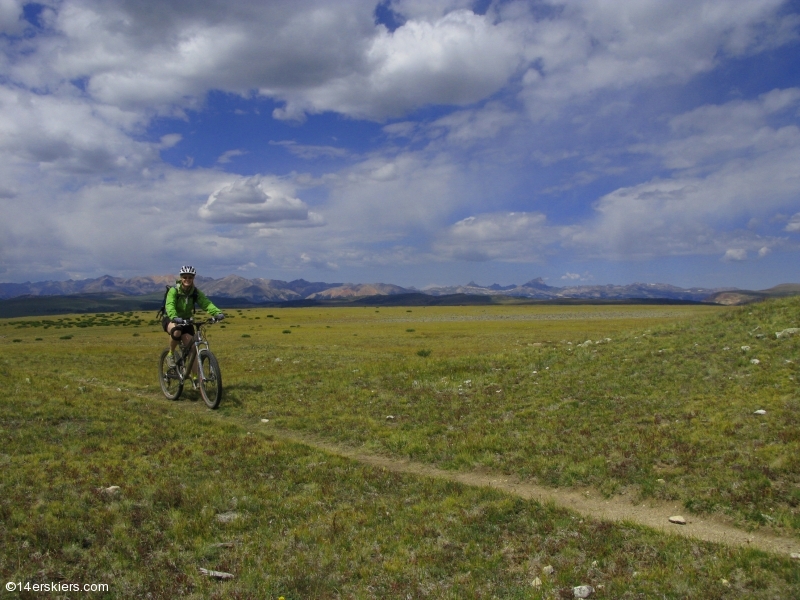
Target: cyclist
x=179, y=306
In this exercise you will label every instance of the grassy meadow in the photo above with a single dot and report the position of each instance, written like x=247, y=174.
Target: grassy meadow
x=653, y=401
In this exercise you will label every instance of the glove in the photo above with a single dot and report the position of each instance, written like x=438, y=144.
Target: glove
x=178, y=321
x=219, y=317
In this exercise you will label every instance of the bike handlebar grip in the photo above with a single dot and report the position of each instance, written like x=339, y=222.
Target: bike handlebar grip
x=177, y=320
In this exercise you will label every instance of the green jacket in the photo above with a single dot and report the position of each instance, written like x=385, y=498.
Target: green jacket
x=179, y=304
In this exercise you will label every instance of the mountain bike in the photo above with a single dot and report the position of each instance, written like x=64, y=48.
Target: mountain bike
x=209, y=377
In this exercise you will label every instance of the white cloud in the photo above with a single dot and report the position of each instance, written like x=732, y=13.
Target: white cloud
x=471, y=126
x=79, y=92
x=226, y=157
x=170, y=140
x=719, y=132
x=387, y=197
x=309, y=151
x=68, y=134
x=594, y=45
x=11, y=22
x=794, y=223
x=428, y=10
x=254, y=200
x=735, y=254
x=319, y=56
x=458, y=59
x=734, y=166
x=504, y=236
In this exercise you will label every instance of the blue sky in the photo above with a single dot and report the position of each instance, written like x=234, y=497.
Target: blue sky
x=414, y=142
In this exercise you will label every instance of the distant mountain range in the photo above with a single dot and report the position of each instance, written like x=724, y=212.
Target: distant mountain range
x=273, y=290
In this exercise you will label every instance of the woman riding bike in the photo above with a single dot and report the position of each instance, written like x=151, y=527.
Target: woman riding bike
x=179, y=307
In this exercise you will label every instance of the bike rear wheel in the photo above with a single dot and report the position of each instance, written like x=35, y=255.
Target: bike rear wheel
x=171, y=383
x=210, y=379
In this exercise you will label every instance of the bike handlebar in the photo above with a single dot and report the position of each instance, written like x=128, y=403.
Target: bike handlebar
x=192, y=321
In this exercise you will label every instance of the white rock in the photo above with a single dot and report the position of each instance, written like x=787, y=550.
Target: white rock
x=582, y=591
x=390, y=417
x=787, y=332
x=227, y=517
x=677, y=519
x=548, y=570
x=745, y=348
x=795, y=555
x=755, y=361
x=112, y=490
x=760, y=411
x=215, y=574
x=537, y=583
x=265, y=420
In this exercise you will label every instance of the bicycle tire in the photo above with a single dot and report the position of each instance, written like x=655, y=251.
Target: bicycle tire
x=171, y=384
x=211, y=379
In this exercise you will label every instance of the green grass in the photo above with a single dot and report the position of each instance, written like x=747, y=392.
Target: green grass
x=661, y=400
x=662, y=409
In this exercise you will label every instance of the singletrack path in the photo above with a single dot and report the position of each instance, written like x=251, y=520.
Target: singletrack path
x=587, y=502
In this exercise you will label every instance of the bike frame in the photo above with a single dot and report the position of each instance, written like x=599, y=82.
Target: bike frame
x=199, y=342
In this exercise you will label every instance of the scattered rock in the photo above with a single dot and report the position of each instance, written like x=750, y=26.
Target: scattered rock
x=223, y=545
x=216, y=574
x=537, y=583
x=548, y=570
x=227, y=517
x=112, y=490
x=661, y=481
x=755, y=361
x=582, y=591
x=390, y=417
x=678, y=520
x=760, y=411
x=745, y=348
x=725, y=582
x=265, y=420
x=795, y=555
x=787, y=332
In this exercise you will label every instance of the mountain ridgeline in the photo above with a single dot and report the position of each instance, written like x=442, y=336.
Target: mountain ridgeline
x=260, y=291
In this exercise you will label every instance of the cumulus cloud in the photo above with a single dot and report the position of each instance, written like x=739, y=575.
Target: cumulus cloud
x=594, y=45
x=80, y=90
x=735, y=254
x=253, y=200
x=69, y=134
x=458, y=59
x=719, y=132
x=730, y=165
x=505, y=236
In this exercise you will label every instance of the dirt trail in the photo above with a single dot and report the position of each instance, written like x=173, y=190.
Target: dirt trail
x=587, y=502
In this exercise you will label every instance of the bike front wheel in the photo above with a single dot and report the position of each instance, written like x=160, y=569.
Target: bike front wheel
x=171, y=383
x=210, y=379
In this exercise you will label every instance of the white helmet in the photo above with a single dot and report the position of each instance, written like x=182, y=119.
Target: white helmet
x=188, y=270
